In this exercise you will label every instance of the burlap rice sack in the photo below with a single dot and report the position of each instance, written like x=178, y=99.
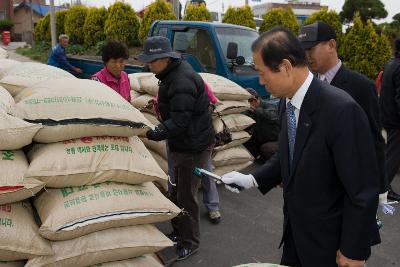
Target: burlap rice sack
x=149, y=84
x=6, y=64
x=147, y=260
x=141, y=101
x=19, y=233
x=75, y=108
x=234, y=155
x=238, y=138
x=234, y=122
x=76, y=211
x=225, y=89
x=92, y=160
x=13, y=186
x=229, y=168
x=232, y=107
x=159, y=147
x=151, y=117
x=134, y=95
x=15, y=133
x=6, y=100
x=104, y=246
x=27, y=74
x=134, y=80
x=162, y=162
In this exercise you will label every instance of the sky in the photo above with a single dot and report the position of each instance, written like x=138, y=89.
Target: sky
x=391, y=6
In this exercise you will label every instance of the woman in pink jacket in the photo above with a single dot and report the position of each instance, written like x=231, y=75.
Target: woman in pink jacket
x=115, y=56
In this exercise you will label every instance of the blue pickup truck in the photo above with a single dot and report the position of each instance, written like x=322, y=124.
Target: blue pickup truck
x=218, y=48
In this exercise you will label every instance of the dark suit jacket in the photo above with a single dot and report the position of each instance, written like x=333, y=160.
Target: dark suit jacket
x=331, y=191
x=362, y=90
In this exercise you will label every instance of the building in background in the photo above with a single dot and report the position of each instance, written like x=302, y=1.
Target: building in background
x=301, y=8
x=22, y=30
x=6, y=10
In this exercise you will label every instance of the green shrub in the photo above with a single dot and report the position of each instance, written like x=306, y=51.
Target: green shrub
x=240, y=16
x=197, y=13
x=42, y=29
x=5, y=25
x=74, y=21
x=329, y=17
x=279, y=17
x=60, y=19
x=159, y=10
x=93, y=29
x=364, y=50
x=122, y=24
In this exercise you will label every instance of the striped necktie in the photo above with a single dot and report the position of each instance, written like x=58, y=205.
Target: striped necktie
x=291, y=126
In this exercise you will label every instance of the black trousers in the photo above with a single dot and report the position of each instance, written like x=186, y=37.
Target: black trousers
x=392, y=153
x=289, y=255
x=184, y=195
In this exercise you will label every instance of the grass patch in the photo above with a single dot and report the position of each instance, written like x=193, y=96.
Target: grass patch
x=40, y=52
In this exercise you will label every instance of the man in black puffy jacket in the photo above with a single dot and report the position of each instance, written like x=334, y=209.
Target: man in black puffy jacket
x=187, y=125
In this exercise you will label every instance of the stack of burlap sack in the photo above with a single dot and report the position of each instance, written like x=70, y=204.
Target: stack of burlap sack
x=233, y=100
x=144, y=88
x=81, y=143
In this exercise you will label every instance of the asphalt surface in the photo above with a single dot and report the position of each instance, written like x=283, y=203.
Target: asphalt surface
x=251, y=229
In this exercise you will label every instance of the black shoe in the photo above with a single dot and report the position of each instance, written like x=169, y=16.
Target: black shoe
x=173, y=237
x=184, y=253
x=393, y=195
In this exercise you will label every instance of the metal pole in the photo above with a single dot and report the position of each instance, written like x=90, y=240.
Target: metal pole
x=175, y=8
x=53, y=24
x=32, y=25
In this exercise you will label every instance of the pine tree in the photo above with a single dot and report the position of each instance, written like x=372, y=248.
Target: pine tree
x=197, y=13
x=159, y=10
x=279, y=17
x=240, y=16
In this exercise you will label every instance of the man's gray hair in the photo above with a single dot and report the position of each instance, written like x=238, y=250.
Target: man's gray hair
x=63, y=36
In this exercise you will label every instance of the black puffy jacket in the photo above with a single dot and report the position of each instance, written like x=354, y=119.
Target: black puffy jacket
x=184, y=109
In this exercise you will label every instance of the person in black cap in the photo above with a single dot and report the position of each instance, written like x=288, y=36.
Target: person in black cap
x=390, y=110
x=186, y=123
x=319, y=41
x=264, y=133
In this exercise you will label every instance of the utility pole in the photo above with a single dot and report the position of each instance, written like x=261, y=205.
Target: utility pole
x=32, y=25
x=246, y=2
x=175, y=8
x=53, y=24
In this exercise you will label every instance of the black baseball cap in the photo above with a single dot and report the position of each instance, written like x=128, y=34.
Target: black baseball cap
x=253, y=92
x=156, y=47
x=313, y=34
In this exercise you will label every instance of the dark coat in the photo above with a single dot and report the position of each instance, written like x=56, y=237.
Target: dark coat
x=184, y=108
x=363, y=91
x=331, y=191
x=390, y=95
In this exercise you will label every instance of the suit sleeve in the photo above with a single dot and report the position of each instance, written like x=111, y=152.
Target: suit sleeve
x=396, y=85
x=355, y=162
x=268, y=175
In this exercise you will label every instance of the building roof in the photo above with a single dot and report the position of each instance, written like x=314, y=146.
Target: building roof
x=41, y=10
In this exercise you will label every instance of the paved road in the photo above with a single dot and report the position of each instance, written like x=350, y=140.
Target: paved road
x=251, y=230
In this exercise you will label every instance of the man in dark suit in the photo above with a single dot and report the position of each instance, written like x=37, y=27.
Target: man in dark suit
x=319, y=41
x=326, y=161
x=390, y=111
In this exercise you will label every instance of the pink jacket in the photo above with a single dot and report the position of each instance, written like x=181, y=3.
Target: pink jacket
x=121, y=85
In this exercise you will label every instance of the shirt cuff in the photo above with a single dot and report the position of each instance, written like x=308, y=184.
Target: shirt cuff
x=254, y=181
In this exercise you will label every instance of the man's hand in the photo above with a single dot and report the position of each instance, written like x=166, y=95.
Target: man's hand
x=383, y=198
x=77, y=70
x=243, y=180
x=343, y=261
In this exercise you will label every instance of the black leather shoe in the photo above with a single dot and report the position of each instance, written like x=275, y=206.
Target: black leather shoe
x=173, y=237
x=184, y=253
x=393, y=195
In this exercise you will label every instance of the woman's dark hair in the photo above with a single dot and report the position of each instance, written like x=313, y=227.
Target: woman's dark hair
x=278, y=44
x=114, y=49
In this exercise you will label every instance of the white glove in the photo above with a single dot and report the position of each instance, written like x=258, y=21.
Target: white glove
x=243, y=180
x=383, y=198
